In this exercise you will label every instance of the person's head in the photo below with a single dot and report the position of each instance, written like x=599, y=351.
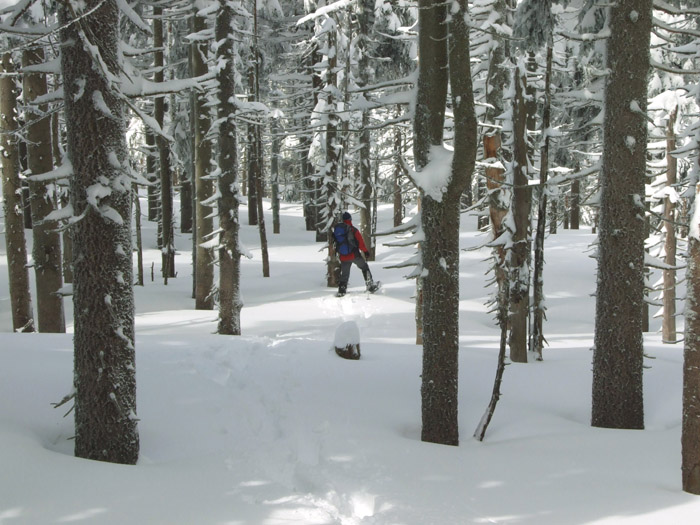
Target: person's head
x=347, y=216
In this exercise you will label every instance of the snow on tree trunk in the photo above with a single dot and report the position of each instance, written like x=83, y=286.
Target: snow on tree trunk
x=46, y=249
x=230, y=303
x=618, y=344
x=204, y=188
x=15, y=242
x=166, y=182
x=347, y=340
x=442, y=187
x=668, y=327
x=539, y=308
x=518, y=258
x=104, y=376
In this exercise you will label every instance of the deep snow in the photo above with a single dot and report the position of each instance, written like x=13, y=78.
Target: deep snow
x=273, y=428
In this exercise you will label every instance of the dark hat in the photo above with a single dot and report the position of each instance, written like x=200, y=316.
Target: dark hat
x=347, y=216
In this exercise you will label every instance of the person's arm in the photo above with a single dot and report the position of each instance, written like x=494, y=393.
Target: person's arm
x=361, y=242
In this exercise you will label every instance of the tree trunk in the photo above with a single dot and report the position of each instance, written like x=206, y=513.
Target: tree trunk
x=204, y=227
x=575, y=202
x=618, y=344
x=166, y=176
x=538, y=339
x=690, y=444
x=230, y=303
x=15, y=242
x=517, y=260
x=330, y=170
x=399, y=172
x=152, y=176
x=440, y=215
x=668, y=328
x=105, y=380
x=47, y=240
x=275, y=176
x=139, y=237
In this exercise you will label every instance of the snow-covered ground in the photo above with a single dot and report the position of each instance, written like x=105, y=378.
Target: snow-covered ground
x=273, y=428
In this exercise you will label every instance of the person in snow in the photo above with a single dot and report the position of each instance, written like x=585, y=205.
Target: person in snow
x=351, y=248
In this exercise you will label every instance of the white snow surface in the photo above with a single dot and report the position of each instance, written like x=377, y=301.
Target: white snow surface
x=272, y=428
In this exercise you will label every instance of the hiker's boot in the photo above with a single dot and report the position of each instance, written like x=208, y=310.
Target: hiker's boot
x=342, y=288
x=369, y=282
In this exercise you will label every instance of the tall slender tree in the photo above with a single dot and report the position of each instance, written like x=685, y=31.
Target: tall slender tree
x=204, y=187
x=20, y=298
x=46, y=249
x=230, y=303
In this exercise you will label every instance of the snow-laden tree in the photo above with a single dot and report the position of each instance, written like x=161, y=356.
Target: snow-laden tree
x=230, y=302
x=104, y=378
x=46, y=250
x=442, y=177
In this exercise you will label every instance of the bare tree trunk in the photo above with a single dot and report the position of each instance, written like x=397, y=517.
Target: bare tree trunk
x=669, y=296
x=575, y=202
x=618, y=400
x=690, y=444
x=47, y=241
x=103, y=297
x=139, y=238
x=399, y=171
x=480, y=431
x=517, y=259
x=275, y=176
x=15, y=242
x=204, y=227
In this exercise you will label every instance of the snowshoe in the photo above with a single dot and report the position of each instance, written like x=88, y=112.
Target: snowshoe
x=374, y=287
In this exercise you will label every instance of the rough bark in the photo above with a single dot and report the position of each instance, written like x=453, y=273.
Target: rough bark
x=690, y=431
x=440, y=217
x=104, y=377
x=15, y=242
x=230, y=303
x=46, y=249
x=204, y=188
x=618, y=344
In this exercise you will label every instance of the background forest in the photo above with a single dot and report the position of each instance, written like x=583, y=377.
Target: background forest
x=192, y=156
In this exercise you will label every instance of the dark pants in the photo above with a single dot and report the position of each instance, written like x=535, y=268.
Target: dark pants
x=345, y=266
